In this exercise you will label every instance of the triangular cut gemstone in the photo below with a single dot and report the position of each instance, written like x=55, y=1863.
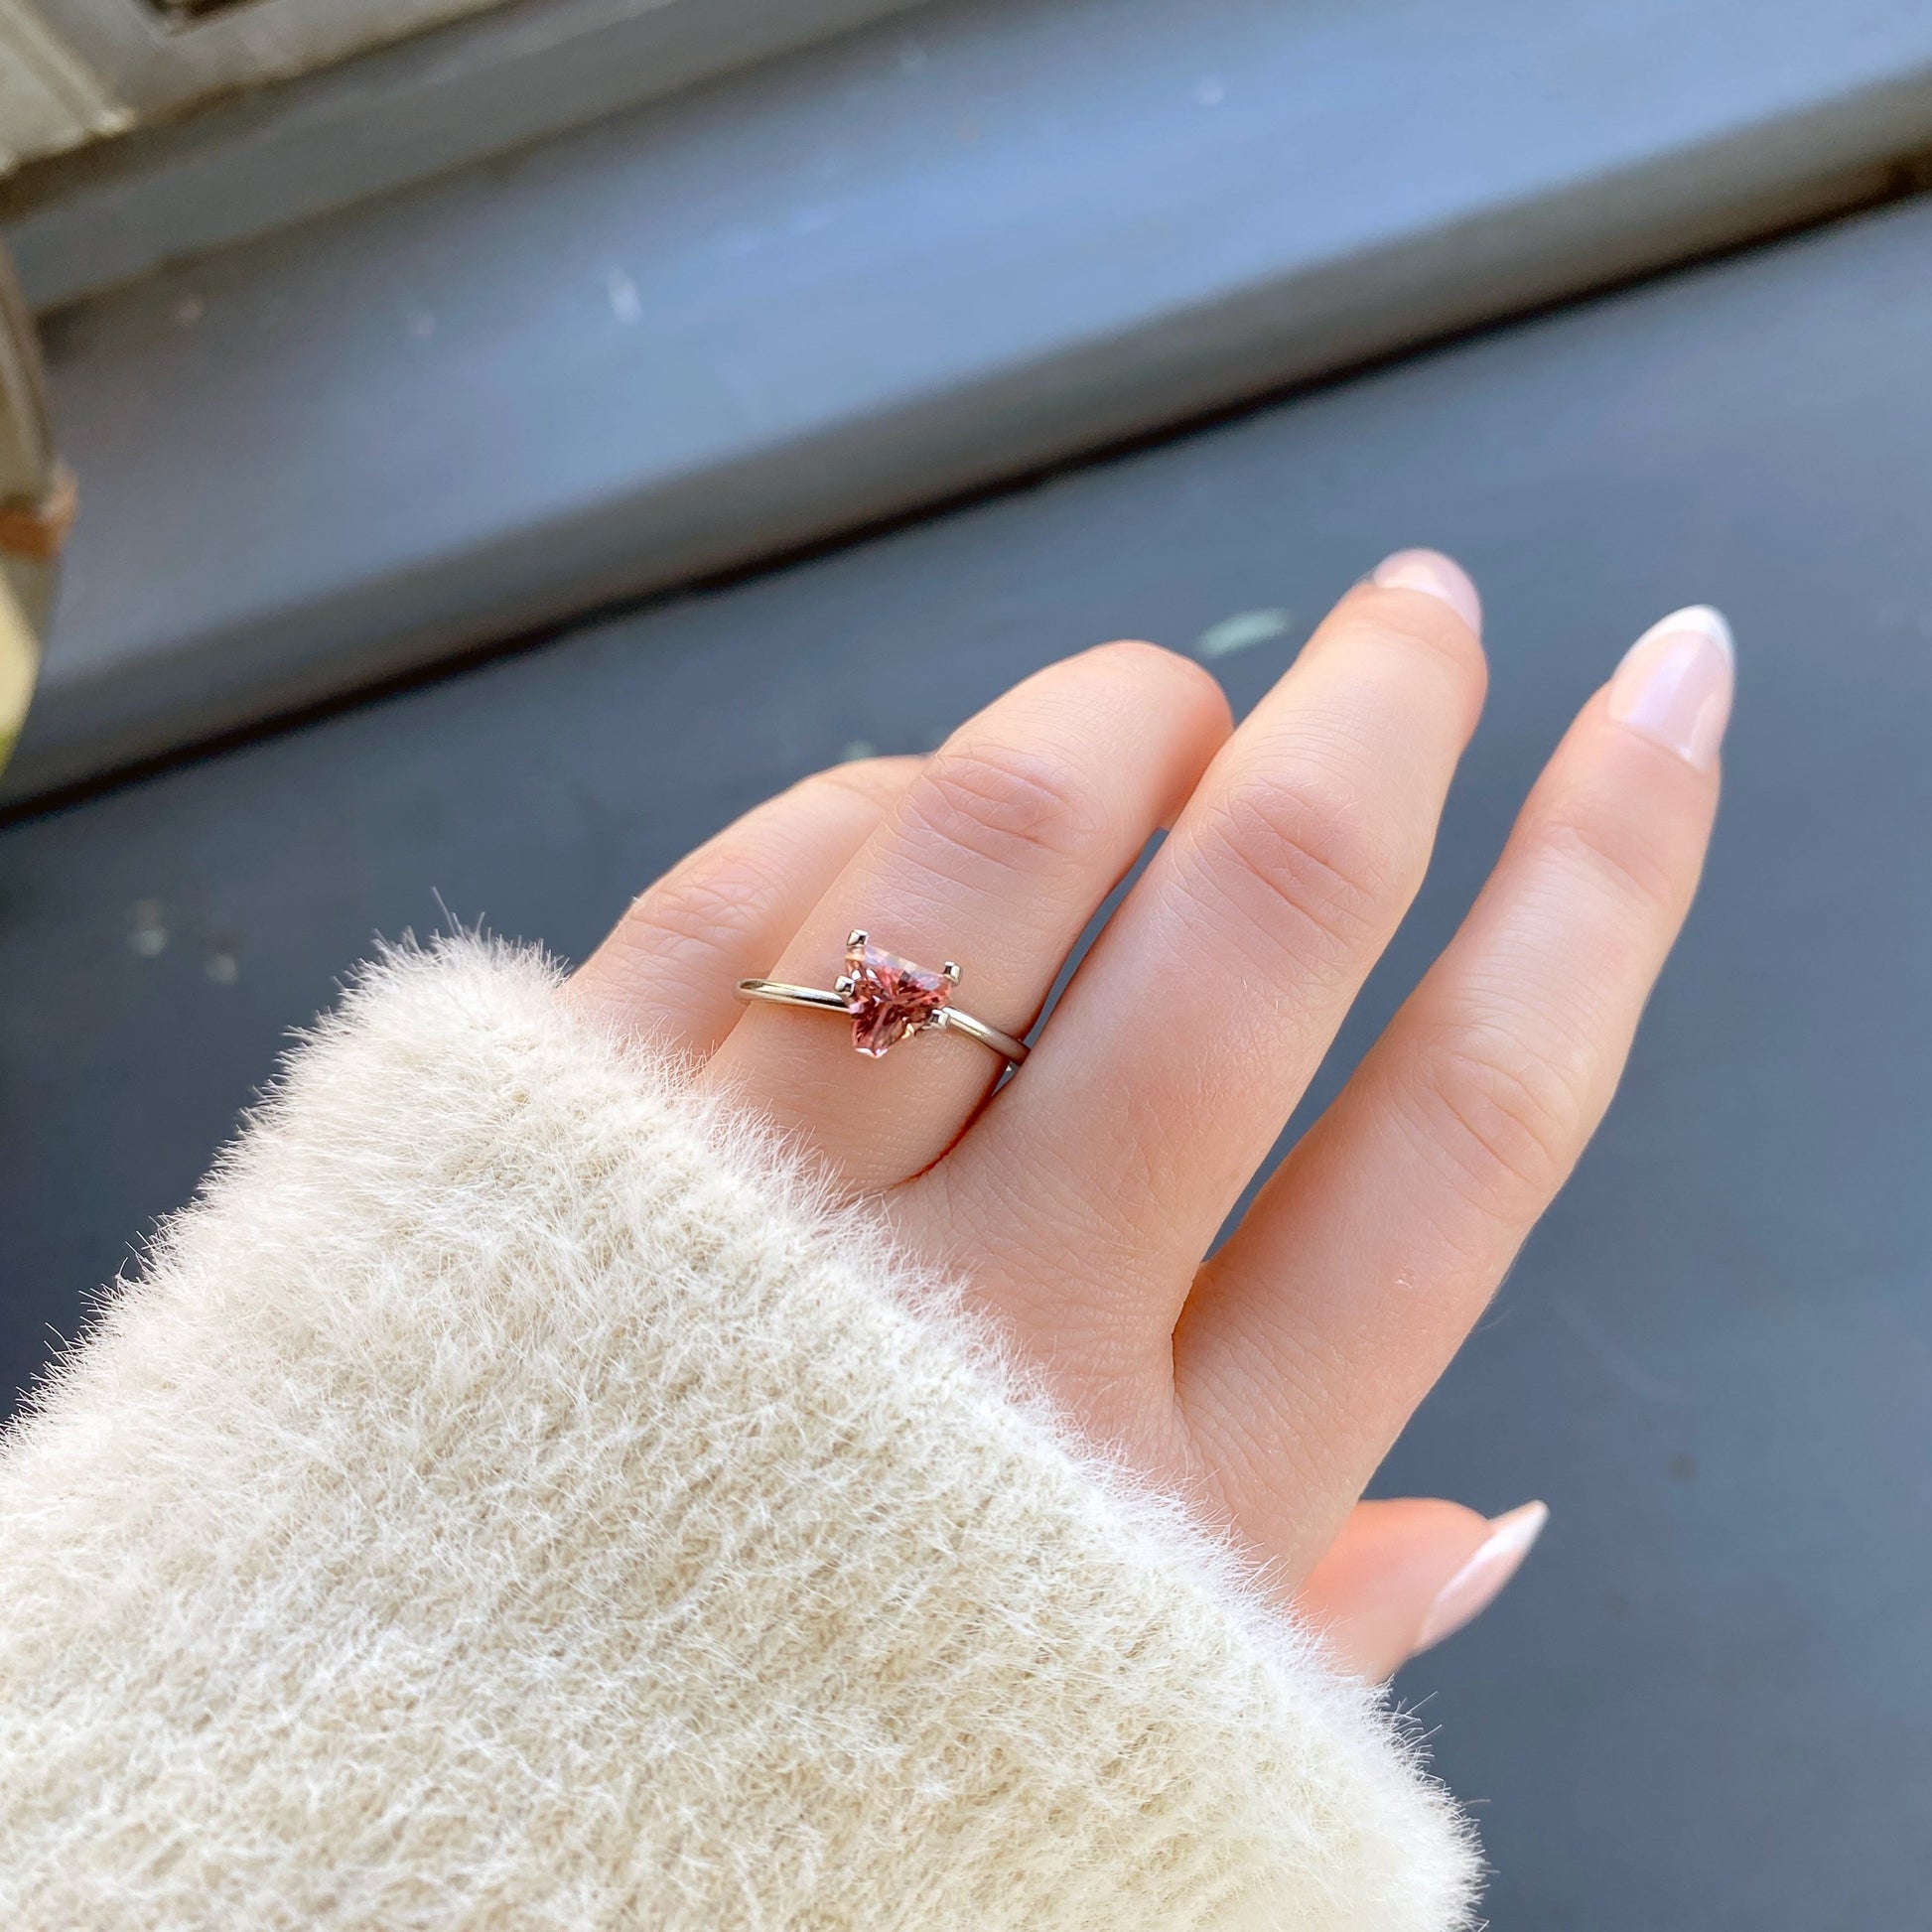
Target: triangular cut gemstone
x=890, y=999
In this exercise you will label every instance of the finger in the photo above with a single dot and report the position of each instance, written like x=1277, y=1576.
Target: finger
x=1403, y=1574
x=1356, y=1277
x=996, y=856
x=667, y=969
x=1179, y=1050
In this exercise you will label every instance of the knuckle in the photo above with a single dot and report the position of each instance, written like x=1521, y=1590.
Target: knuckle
x=1187, y=676
x=871, y=781
x=1138, y=651
x=1308, y=852
x=1008, y=809
x=1511, y=1120
x=698, y=913
x=1430, y=629
x=1621, y=850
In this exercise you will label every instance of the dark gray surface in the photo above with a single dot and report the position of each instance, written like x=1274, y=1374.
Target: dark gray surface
x=1708, y=1703
x=845, y=284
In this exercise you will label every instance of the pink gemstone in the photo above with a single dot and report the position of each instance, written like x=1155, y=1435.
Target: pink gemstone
x=890, y=999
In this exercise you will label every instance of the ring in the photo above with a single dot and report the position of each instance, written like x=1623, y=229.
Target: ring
x=888, y=999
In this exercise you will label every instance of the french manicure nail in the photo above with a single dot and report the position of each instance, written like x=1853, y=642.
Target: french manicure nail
x=1435, y=575
x=1675, y=684
x=1479, y=1581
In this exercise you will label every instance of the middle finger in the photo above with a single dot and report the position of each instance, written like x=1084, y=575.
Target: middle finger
x=1177, y=1053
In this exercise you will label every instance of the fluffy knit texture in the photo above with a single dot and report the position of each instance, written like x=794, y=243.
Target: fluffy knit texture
x=509, y=1497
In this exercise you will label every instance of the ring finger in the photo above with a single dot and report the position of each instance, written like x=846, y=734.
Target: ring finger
x=665, y=971
x=997, y=855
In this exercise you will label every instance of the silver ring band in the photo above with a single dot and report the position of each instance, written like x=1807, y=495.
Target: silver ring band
x=822, y=1000
x=888, y=999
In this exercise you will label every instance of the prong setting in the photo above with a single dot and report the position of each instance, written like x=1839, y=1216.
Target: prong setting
x=889, y=999
x=855, y=941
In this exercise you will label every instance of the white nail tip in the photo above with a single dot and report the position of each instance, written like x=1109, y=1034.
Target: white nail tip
x=1705, y=618
x=1514, y=1534
x=1476, y=1586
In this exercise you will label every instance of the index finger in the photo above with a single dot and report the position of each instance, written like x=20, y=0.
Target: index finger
x=1311, y=1338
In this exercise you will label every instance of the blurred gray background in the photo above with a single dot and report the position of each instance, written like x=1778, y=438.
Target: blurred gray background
x=509, y=453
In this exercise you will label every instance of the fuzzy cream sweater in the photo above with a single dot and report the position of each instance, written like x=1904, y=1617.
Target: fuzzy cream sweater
x=509, y=1499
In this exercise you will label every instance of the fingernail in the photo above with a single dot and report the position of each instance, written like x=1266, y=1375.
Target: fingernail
x=1479, y=1581
x=1435, y=575
x=1675, y=683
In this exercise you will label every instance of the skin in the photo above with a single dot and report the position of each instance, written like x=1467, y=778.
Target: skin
x=1078, y=1200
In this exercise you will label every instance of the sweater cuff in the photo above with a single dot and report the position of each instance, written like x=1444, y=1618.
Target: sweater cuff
x=511, y=1495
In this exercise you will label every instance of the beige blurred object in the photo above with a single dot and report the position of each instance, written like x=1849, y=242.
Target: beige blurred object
x=74, y=70
x=49, y=98
x=37, y=502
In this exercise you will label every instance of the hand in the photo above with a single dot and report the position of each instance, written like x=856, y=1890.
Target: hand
x=1078, y=1200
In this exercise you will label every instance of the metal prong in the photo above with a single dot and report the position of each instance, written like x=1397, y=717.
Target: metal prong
x=855, y=941
x=951, y=970
x=845, y=986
